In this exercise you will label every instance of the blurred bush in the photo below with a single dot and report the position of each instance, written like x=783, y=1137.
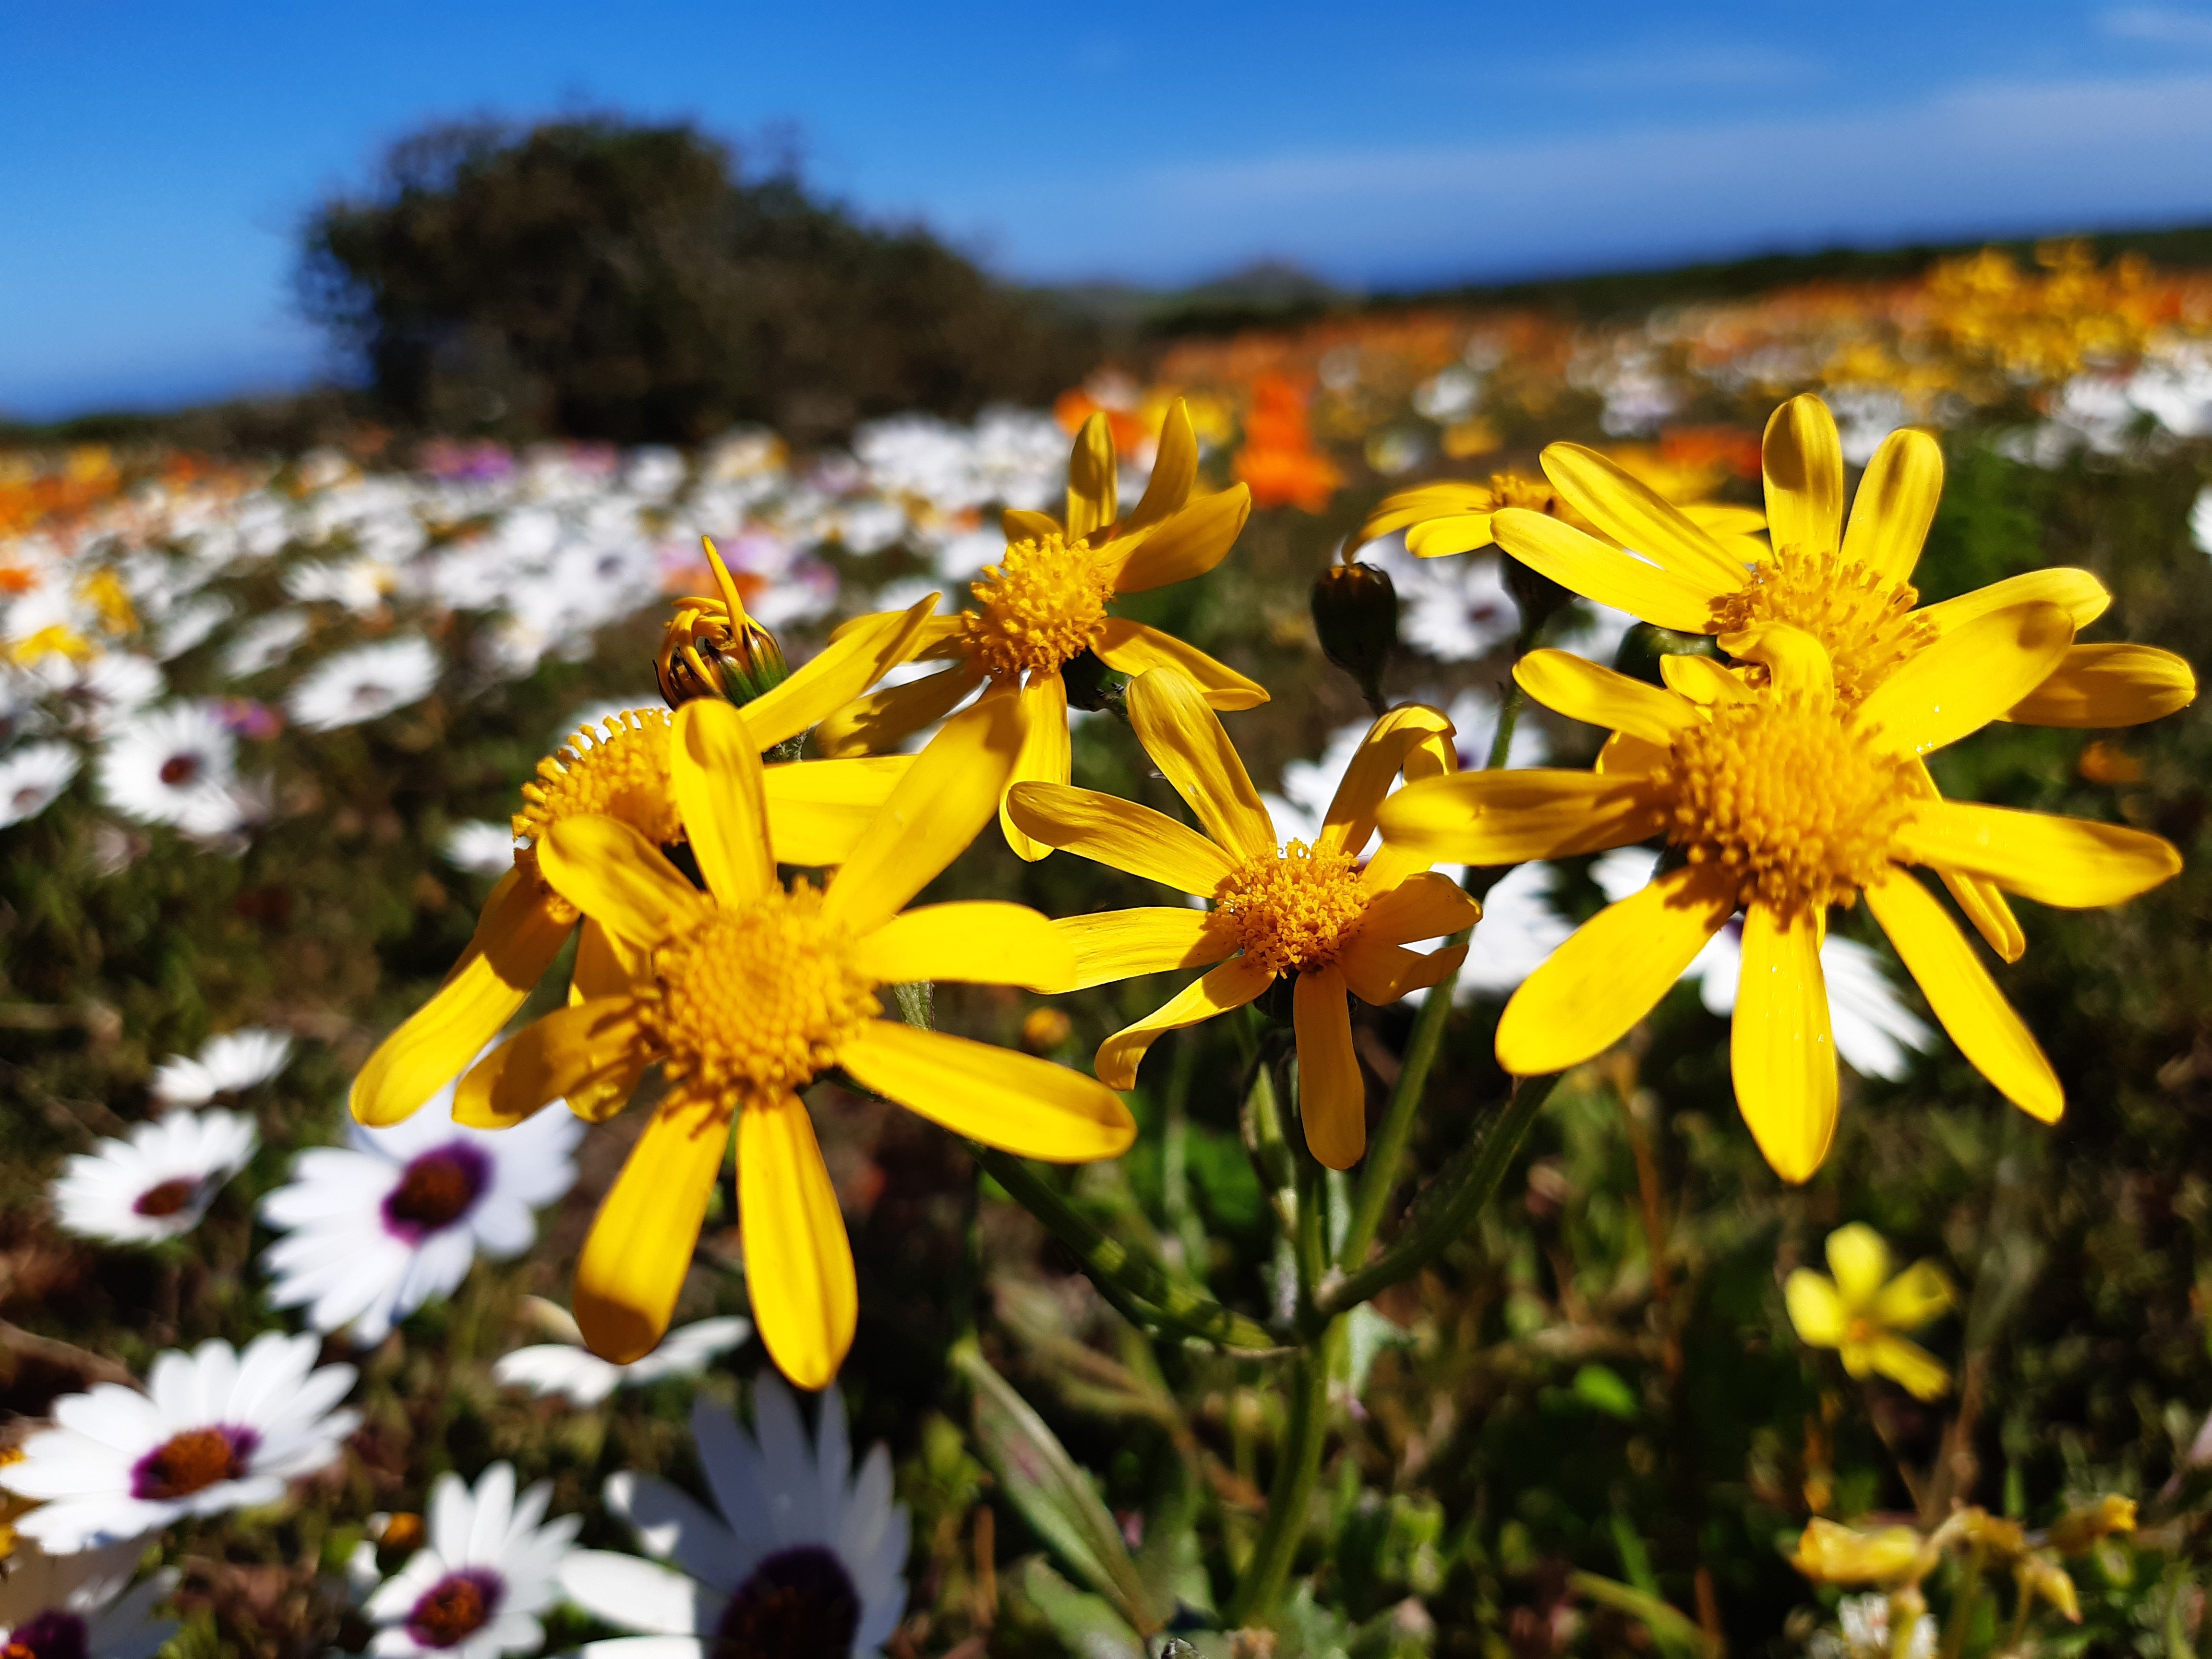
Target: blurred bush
x=603, y=279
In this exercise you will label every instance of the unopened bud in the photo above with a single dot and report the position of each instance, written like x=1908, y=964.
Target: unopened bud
x=1830, y=1554
x=1643, y=645
x=1044, y=1029
x=713, y=648
x=2075, y=1532
x=1539, y=597
x=2040, y=1577
x=1355, y=612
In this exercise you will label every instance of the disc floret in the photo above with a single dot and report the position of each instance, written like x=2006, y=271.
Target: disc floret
x=1864, y=619
x=621, y=772
x=1041, y=606
x=1294, y=909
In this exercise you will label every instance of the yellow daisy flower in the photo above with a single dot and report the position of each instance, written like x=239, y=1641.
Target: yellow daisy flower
x=744, y=993
x=1849, y=587
x=1861, y=1310
x=1458, y=515
x=1313, y=912
x=1780, y=801
x=623, y=771
x=1045, y=604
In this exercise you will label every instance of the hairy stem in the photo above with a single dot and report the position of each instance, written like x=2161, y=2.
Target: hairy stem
x=1298, y=1471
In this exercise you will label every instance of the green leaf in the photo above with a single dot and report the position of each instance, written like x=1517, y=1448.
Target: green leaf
x=1087, y=1624
x=1602, y=1388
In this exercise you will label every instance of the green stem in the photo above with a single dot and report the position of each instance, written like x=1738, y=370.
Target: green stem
x=1449, y=1205
x=1185, y=1230
x=1509, y=715
x=1963, y=1608
x=1385, y=1153
x=1144, y=1292
x=1290, y=1497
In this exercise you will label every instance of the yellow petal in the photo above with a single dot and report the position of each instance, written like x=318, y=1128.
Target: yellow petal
x=716, y=770
x=1583, y=564
x=1859, y=1258
x=798, y=1262
x=1439, y=538
x=1136, y=649
x=1703, y=680
x=1796, y=663
x=947, y=796
x=1987, y=1029
x=605, y=967
x=1332, y=1095
x=1232, y=985
x=2104, y=685
x=515, y=942
x=1015, y=1102
x=2078, y=594
x=884, y=720
x=1045, y=755
x=1190, y=544
x=1968, y=678
x=1114, y=945
x=1510, y=818
x=1780, y=1050
x=1093, y=478
x=1611, y=971
x=1423, y=907
x=640, y=1243
x=587, y=1047
x=1380, y=972
x=817, y=809
x=1803, y=460
x=862, y=653
x=1896, y=503
x=978, y=941
x=1911, y=1366
x=619, y=879
x=1581, y=690
x=1404, y=508
x=1390, y=866
x=1174, y=469
x=1385, y=748
x=1635, y=516
x=1921, y=1292
x=1022, y=526
x=1814, y=1309
x=1185, y=740
x=2072, y=863
x=1121, y=833
x=1984, y=904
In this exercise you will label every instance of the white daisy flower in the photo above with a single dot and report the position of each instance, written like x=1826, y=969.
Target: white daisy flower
x=32, y=779
x=364, y=682
x=76, y=1606
x=479, y=846
x=568, y=1368
x=217, y=1430
x=375, y=1230
x=173, y=765
x=226, y=1065
x=475, y=1589
x=264, y=643
x=803, y=1558
x=157, y=1183
x=1875, y=1033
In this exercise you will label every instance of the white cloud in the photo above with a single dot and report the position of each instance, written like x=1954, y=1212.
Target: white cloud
x=2161, y=24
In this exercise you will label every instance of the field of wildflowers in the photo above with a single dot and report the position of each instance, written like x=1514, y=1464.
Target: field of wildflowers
x=1437, y=982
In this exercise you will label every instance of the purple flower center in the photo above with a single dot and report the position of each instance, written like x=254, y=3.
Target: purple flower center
x=169, y=1197
x=435, y=1190
x=54, y=1634
x=456, y=1608
x=798, y=1601
x=192, y=1461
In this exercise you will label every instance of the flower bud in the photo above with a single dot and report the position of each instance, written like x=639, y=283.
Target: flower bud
x=1830, y=1554
x=2040, y=1577
x=1355, y=612
x=711, y=649
x=1539, y=597
x=2075, y=1532
x=1044, y=1029
x=1643, y=645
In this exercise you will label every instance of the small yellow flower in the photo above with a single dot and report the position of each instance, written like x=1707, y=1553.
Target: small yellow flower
x=1046, y=603
x=1828, y=1553
x=1313, y=911
x=624, y=772
x=1860, y=1310
x=1780, y=802
x=744, y=993
x=2077, y=1530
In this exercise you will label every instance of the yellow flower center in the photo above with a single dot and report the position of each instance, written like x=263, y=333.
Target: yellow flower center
x=1783, y=796
x=756, y=1001
x=1292, y=909
x=621, y=772
x=1861, y=1332
x=1042, y=605
x=1512, y=490
x=1863, y=618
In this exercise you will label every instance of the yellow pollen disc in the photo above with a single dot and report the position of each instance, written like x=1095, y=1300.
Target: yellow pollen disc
x=1511, y=489
x=1861, y=1332
x=755, y=1001
x=1292, y=909
x=621, y=772
x=1781, y=796
x=1041, y=605
x=1865, y=619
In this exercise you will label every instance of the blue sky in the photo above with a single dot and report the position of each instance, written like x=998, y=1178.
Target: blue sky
x=163, y=156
